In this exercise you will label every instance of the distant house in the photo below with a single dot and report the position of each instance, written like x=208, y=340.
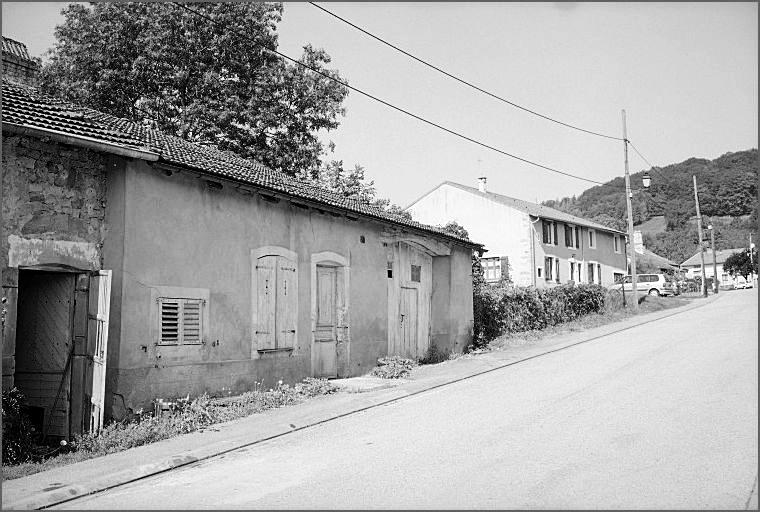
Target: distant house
x=541, y=246
x=693, y=266
x=138, y=265
x=648, y=261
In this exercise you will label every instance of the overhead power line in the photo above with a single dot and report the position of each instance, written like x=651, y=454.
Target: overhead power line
x=461, y=80
x=390, y=105
x=655, y=169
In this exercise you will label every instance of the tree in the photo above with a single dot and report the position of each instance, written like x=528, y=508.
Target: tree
x=740, y=263
x=455, y=229
x=207, y=81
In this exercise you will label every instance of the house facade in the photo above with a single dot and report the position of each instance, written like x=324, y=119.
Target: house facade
x=693, y=266
x=137, y=265
x=540, y=246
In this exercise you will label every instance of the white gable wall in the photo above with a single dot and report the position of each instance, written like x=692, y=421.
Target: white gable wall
x=504, y=231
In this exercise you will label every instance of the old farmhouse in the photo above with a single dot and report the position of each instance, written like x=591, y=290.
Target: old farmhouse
x=542, y=246
x=138, y=265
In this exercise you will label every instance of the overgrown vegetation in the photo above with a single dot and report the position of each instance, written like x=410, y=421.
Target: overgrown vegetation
x=393, y=367
x=187, y=416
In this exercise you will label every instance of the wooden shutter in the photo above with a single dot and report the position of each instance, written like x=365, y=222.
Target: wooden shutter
x=192, y=321
x=287, y=301
x=568, y=236
x=547, y=268
x=556, y=238
x=577, y=237
x=99, y=304
x=556, y=267
x=545, y=230
x=266, y=295
x=169, y=310
x=599, y=273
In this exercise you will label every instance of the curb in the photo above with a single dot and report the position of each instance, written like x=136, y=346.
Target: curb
x=359, y=402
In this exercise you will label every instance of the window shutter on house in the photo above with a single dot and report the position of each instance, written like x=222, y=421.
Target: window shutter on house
x=545, y=229
x=266, y=270
x=170, y=310
x=181, y=321
x=287, y=296
x=568, y=236
x=577, y=237
x=191, y=321
x=554, y=225
x=556, y=267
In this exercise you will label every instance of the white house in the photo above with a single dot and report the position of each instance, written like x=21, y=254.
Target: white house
x=543, y=246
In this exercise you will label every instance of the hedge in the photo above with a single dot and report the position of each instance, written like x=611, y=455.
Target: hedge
x=500, y=310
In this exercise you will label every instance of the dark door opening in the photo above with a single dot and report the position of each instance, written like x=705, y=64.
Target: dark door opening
x=44, y=347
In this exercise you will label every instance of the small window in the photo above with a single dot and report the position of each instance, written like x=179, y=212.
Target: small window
x=591, y=238
x=556, y=268
x=181, y=321
x=539, y=271
x=491, y=268
x=416, y=270
x=616, y=242
x=548, y=267
x=390, y=270
x=599, y=273
x=568, y=236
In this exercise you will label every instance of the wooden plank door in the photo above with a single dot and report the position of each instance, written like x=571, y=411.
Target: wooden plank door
x=325, y=335
x=99, y=304
x=408, y=322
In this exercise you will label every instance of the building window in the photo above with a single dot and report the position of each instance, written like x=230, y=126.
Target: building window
x=591, y=273
x=569, y=236
x=491, y=268
x=416, y=270
x=390, y=270
x=616, y=243
x=548, y=268
x=180, y=321
x=572, y=270
x=592, y=239
x=556, y=268
x=549, y=230
x=618, y=277
x=599, y=273
x=577, y=237
x=539, y=271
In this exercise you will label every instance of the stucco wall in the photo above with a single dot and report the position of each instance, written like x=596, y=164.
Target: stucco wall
x=179, y=232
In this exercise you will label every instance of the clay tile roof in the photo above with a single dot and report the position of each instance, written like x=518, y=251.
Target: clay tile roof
x=16, y=49
x=27, y=107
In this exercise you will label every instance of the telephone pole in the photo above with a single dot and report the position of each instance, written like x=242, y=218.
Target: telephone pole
x=634, y=277
x=701, y=243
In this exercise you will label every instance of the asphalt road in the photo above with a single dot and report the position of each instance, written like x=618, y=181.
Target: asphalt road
x=664, y=415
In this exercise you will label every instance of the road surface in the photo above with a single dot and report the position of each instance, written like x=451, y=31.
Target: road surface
x=663, y=415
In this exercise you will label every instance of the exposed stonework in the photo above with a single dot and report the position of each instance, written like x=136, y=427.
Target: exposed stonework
x=52, y=192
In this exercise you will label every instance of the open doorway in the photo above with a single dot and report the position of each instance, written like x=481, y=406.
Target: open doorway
x=44, y=342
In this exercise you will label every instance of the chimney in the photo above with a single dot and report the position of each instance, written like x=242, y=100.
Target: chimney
x=18, y=66
x=482, y=184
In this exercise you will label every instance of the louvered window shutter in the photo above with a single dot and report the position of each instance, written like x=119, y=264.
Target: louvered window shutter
x=191, y=321
x=181, y=321
x=170, y=320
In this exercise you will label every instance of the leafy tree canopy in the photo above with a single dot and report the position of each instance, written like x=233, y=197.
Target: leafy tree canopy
x=741, y=264
x=156, y=63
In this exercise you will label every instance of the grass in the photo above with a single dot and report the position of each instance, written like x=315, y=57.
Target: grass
x=189, y=416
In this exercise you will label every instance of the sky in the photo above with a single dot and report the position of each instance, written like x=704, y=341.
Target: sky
x=685, y=73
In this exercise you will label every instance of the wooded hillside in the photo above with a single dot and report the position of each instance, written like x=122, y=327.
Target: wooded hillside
x=727, y=189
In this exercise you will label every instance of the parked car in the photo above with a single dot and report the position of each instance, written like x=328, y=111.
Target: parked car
x=743, y=285
x=652, y=284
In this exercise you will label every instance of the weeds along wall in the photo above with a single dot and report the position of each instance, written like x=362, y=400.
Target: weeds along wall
x=504, y=309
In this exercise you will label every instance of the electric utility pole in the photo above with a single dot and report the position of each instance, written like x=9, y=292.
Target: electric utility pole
x=634, y=277
x=701, y=243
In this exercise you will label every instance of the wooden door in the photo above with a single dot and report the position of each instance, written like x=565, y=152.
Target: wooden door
x=43, y=347
x=408, y=322
x=99, y=304
x=325, y=335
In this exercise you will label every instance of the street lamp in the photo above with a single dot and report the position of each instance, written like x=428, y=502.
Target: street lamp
x=715, y=263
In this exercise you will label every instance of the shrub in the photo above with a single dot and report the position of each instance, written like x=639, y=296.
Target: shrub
x=393, y=367
x=18, y=433
x=435, y=355
x=503, y=309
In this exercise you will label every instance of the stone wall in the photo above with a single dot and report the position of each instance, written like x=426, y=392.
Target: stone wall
x=52, y=193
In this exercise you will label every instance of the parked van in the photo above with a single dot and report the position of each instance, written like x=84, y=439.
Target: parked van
x=653, y=284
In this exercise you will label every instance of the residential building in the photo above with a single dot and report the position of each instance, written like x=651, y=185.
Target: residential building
x=137, y=265
x=539, y=245
x=693, y=266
